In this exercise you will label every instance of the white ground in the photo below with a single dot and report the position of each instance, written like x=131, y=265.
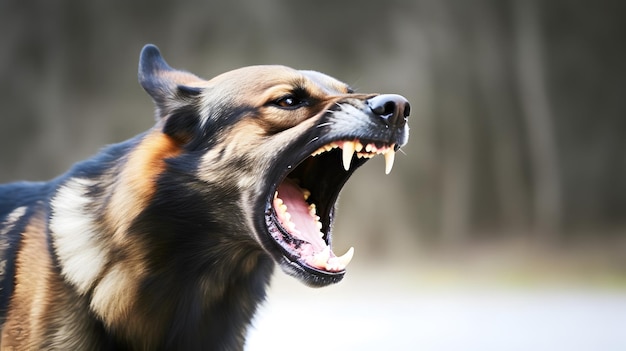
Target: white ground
x=375, y=311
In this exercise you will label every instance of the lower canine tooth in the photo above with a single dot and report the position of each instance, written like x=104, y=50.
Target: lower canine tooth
x=348, y=151
x=346, y=258
x=390, y=156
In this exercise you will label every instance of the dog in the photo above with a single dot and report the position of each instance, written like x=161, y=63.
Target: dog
x=168, y=241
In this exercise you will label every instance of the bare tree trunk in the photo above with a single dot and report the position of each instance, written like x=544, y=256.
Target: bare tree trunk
x=537, y=112
x=454, y=109
x=491, y=58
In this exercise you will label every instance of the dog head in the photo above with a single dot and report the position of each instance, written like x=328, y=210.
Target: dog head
x=280, y=143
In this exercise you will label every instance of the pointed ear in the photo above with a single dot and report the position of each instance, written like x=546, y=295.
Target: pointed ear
x=168, y=87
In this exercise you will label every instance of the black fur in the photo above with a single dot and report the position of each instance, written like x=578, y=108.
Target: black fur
x=168, y=241
x=182, y=257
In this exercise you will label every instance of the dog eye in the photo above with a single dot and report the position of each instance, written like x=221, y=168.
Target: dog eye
x=289, y=102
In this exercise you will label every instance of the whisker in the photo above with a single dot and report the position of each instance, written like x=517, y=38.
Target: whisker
x=312, y=140
x=323, y=125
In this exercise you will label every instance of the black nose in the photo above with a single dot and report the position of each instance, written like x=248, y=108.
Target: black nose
x=394, y=109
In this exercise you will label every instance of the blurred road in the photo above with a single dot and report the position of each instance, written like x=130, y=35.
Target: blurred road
x=384, y=314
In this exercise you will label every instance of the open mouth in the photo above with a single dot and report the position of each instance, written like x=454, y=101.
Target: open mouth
x=300, y=209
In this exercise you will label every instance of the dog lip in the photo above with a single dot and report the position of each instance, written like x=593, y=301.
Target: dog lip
x=324, y=173
x=292, y=259
x=322, y=161
x=291, y=245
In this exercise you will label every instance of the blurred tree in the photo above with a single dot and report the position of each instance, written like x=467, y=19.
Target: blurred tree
x=518, y=122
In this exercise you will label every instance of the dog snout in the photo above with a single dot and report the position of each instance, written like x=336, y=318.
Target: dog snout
x=392, y=108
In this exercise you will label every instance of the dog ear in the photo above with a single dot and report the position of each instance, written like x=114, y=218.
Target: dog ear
x=168, y=87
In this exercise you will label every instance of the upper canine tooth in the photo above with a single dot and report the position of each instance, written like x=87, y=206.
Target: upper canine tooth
x=348, y=151
x=390, y=156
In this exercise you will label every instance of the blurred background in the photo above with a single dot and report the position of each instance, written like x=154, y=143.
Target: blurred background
x=503, y=222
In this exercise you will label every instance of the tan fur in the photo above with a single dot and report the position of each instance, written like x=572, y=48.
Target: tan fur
x=43, y=313
x=113, y=297
x=147, y=254
x=33, y=321
x=137, y=178
x=181, y=77
x=28, y=307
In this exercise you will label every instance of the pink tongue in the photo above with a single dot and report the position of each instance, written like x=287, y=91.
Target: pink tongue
x=306, y=227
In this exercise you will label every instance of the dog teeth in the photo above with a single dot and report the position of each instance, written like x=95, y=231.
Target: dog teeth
x=321, y=258
x=316, y=218
x=284, y=216
x=346, y=258
x=390, y=156
x=358, y=146
x=325, y=148
x=348, y=150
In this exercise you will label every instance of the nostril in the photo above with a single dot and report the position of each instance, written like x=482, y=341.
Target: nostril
x=392, y=108
x=386, y=109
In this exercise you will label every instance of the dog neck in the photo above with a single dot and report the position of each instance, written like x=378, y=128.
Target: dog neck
x=157, y=272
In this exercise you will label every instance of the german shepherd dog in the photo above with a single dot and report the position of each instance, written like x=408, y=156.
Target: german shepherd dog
x=168, y=241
